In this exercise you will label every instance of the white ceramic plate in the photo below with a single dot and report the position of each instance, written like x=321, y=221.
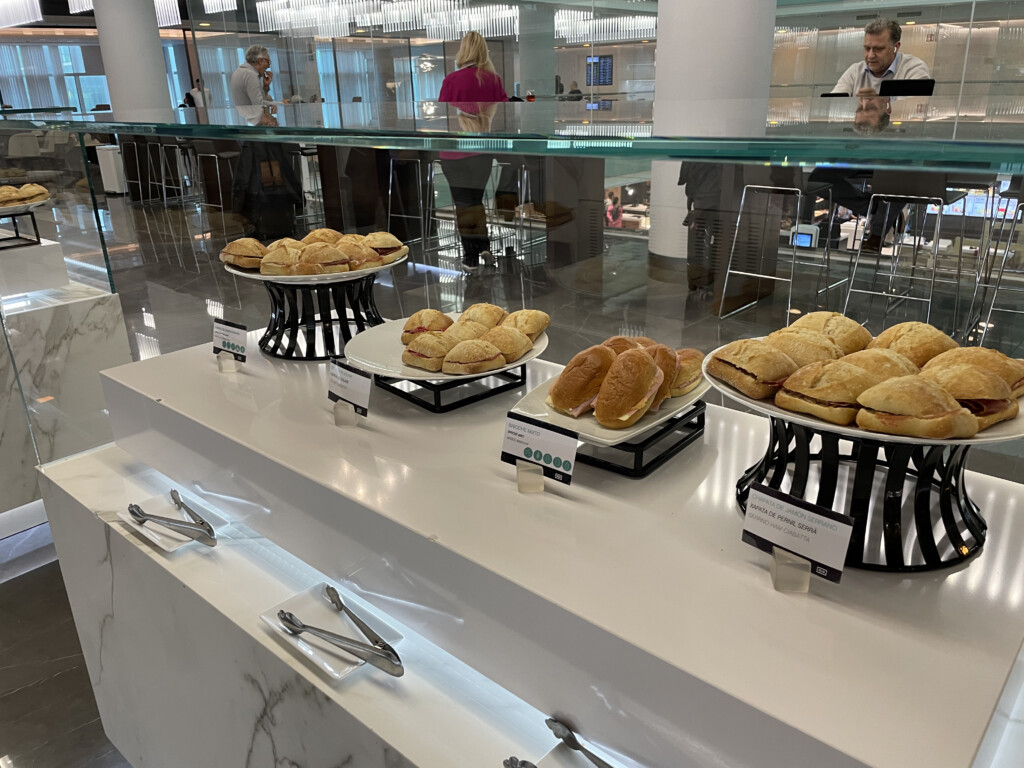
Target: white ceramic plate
x=1002, y=432
x=378, y=350
x=333, y=277
x=586, y=426
x=165, y=538
x=313, y=608
x=11, y=210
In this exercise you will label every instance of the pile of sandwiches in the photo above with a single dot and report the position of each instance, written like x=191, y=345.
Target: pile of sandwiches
x=623, y=379
x=911, y=379
x=484, y=338
x=27, y=193
x=321, y=252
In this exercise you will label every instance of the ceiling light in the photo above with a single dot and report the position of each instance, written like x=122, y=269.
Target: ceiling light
x=204, y=23
x=15, y=12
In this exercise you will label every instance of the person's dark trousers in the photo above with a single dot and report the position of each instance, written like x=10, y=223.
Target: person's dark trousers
x=467, y=179
x=847, y=194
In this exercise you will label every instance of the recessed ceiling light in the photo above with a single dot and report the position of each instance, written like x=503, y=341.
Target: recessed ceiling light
x=204, y=23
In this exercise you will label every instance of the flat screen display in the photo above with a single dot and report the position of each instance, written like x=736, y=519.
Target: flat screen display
x=600, y=70
x=802, y=239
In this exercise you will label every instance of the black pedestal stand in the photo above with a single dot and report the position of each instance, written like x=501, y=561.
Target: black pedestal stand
x=909, y=502
x=311, y=322
x=17, y=240
x=432, y=395
x=641, y=457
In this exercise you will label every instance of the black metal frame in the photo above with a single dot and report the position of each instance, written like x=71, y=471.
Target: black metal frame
x=430, y=394
x=318, y=314
x=923, y=486
x=641, y=457
x=6, y=242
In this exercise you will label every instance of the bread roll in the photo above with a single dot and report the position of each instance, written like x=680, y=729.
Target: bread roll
x=428, y=350
x=827, y=389
x=689, y=374
x=918, y=342
x=849, y=335
x=246, y=252
x=575, y=390
x=980, y=391
x=644, y=341
x=288, y=242
x=32, y=193
x=424, y=321
x=475, y=356
x=330, y=259
x=628, y=389
x=916, y=407
x=532, y=322
x=665, y=358
x=323, y=235
x=1007, y=368
x=754, y=367
x=620, y=344
x=387, y=245
x=465, y=330
x=284, y=260
x=512, y=343
x=488, y=315
x=804, y=347
x=882, y=363
x=360, y=255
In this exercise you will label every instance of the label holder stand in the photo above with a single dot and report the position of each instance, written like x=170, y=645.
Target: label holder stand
x=790, y=573
x=226, y=363
x=529, y=477
x=345, y=414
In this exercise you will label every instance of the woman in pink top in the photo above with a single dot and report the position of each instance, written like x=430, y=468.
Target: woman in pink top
x=474, y=89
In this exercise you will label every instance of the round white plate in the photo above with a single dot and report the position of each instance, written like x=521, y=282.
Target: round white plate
x=333, y=277
x=534, y=405
x=1002, y=432
x=378, y=350
x=11, y=210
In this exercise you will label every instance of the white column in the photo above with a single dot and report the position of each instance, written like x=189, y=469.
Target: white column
x=132, y=59
x=712, y=79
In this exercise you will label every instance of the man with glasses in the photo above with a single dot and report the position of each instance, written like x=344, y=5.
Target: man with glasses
x=250, y=83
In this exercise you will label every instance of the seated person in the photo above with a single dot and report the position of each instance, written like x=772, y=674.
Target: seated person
x=882, y=60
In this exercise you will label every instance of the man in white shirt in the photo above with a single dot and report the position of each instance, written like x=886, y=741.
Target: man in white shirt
x=250, y=83
x=882, y=61
x=200, y=95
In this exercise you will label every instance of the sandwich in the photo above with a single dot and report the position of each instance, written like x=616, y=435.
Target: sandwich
x=804, y=346
x=512, y=343
x=644, y=341
x=916, y=407
x=980, y=391
x=9, y=195
x=849, y=335
x=424, y=321
x=32, y=193
x=246, y=252
x=1007, y=368
x=532, y=322
x=289, y=242
x=360, y=256
x=323, y=235
x=918, y=342
x=428, y=350
x=352, y=238
x=665, y=358
x=619, y=344
x=329, y=258
x=883, y=364
x=284, y=260
x=474, y=356
x=466, y=330
x=575, y=390
x=827, y=389
x=387, y=245
x=754, y=367
x=628, y=389
x=487, y=315
x=689, y=373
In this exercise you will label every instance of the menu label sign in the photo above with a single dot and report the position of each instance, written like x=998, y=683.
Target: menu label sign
x=229, y=337
x=550, y=447
x=817, y=534
x=350, y=385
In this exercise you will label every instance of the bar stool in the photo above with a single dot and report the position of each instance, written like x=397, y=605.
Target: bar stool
x=998, y=285
x=309, y=172
x=989, y=255
x=426, y=194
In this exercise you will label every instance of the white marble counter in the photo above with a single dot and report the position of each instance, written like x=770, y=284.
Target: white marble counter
x=631, y=606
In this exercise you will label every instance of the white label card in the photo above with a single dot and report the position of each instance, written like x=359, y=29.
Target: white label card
x=229, y=337
x=349, y=384
x=776, y=519
x=552, y=448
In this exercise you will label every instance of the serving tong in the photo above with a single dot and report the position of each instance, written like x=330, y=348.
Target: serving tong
x=377, y=653
x=198, y=530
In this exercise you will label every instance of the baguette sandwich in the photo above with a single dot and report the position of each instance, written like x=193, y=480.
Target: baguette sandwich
x=918, y=342
x=882, y=363
x=978, y=390
x=1007, y=368
x=428, y=350
x=916, y=407
x=754, y=367
x=424, y=321
x=827, y=389
x=475, y=356
x=849, y=335
x=804, y=346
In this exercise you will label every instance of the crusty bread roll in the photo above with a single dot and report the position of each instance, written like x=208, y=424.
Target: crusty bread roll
x=575, y=390
x=512, y=342
x=465, y=330
x=754, y=367
x=289, y=242
x=1008, y=369
x=644, y=341
x=849, y=335
x=916, y=407
x=827, y=389
x=330, y=259
x=918, y=342
x=428, y=350
x=804, y=347
x=665, y=358
x=689, y=374
x=9, y=195
x=360, y=255
x=628, y=389
x=32, y=193
x=980, y=391
x=246, y=252
x=322, y=235
x=387, y=245
x=424, y=321
x=474, y=356
x=619, y=344
x=284, y=260
x=532, y=322
x=488, y=315
x=882, y=363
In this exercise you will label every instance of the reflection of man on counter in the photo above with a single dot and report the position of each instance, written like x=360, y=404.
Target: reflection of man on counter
x=872, y=114
x=882, y=60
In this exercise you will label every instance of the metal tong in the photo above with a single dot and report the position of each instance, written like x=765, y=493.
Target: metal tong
x=384, y=660
x=565, y=733
x=198, y=529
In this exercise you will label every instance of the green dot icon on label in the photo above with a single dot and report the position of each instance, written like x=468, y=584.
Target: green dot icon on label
x=547, y=458
x=528, y=453
x=566, y=465
x=558, y=463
